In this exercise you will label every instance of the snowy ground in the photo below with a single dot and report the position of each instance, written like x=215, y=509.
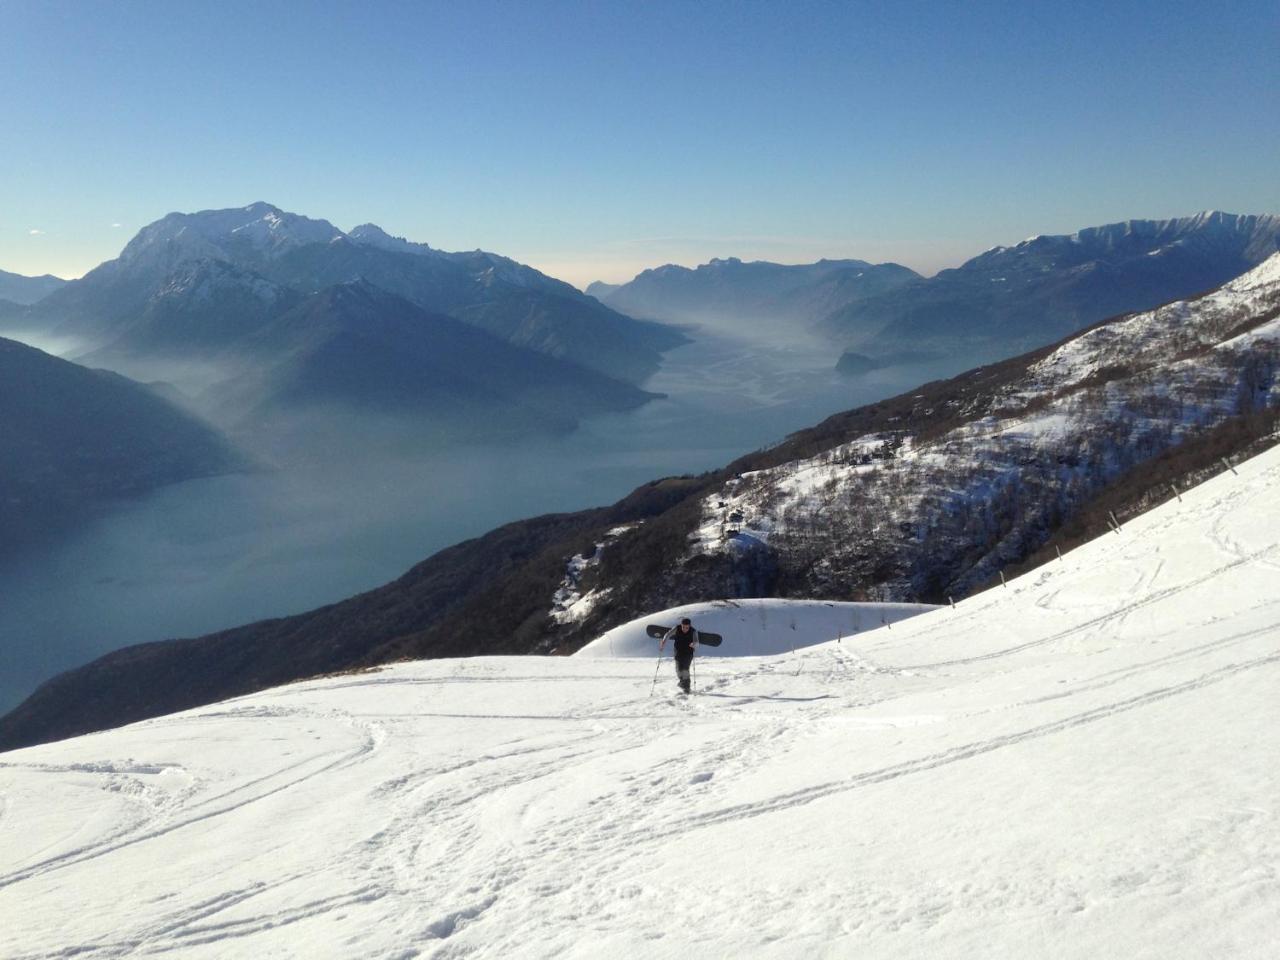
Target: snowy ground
x=1081, y=765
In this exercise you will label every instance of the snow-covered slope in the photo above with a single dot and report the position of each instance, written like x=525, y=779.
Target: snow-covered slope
x=1082, y=765
x=755, y=627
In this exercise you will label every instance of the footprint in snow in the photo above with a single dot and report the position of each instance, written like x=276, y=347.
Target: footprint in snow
x=701, y=777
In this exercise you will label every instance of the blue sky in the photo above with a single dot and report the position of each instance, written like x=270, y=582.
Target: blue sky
x=595, y=139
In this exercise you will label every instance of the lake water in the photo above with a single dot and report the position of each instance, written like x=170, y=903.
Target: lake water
x=210, y=554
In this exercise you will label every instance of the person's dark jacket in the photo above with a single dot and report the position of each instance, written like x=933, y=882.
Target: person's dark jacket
x=685, y=642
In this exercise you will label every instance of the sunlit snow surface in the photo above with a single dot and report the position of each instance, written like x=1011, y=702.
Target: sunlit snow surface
x=1081, y=765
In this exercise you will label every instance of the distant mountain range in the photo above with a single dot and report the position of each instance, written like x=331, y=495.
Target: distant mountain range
x=732, y=292
x=21, y=290
x=919, y=497
x=73, y=439
x=1011, y=299
x=1002, y=302
x=223, y=288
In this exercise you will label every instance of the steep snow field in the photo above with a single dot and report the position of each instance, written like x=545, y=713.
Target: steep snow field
x=1082, y=765
x=755, y=627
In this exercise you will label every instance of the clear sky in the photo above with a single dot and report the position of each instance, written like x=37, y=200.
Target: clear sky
x=595, y=139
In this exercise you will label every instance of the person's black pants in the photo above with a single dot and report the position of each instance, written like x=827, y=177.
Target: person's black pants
x=684, y=660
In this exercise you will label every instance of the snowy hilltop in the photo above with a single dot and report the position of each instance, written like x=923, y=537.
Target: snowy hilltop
x=758, y=626
x=1078, y=765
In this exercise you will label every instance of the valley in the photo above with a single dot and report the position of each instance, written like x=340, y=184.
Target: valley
x=212, y=553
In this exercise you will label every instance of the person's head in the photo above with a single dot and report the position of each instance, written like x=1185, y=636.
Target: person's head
x=685, y=625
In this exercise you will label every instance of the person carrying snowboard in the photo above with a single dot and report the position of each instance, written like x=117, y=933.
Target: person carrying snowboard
x=686, y=641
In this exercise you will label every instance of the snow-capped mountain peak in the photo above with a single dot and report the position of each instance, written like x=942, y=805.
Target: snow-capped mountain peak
x=275, y=230
x=373, y=235
x=259, y=228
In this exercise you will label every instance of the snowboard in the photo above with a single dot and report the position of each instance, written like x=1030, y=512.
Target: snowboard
x=704, y=638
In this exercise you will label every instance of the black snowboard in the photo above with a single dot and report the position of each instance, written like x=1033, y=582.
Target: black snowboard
x=704, y=638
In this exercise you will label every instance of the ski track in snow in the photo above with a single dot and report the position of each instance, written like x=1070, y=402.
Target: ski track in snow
x=1079, y=765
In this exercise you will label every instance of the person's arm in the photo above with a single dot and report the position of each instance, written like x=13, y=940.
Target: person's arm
x=693, y=640
x=665, y=637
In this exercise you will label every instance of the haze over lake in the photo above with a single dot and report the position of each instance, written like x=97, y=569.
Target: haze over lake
x=215, y=553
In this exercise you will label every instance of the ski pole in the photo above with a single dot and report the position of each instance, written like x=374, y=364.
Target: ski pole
x=655, y=674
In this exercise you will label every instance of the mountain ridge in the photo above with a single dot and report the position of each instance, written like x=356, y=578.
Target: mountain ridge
x=1001, y=302
x=1013, y=298
x=20, y=290
x=730, y=291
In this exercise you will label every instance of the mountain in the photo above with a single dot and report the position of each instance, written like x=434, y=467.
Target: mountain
x=1081, y=765
x=73, y=439
x=923, y=497
x=1011, y=299
x=101, y=306
x=202, y=306
x=355, y=345
x=601, y=290
x=261, y=244
x=732, y=292
x=18, y=289
x=370, y=234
